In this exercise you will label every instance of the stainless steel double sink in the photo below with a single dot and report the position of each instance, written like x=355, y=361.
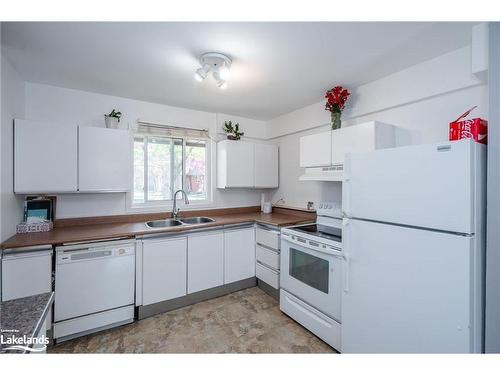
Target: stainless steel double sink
x=175, y=222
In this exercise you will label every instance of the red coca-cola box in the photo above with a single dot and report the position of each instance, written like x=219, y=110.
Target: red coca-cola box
x=475, y=128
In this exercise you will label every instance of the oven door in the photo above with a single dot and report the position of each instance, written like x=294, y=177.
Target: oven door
x=313, y=274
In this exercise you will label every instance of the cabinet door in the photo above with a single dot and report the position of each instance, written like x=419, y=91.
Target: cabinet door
x=205, y=261
x=266, y=165
x=239, y=164
x=164, y=273
x=361, y=138
x=104, y=159
x=357, y=138
x=239, y=254
x=16, y=268
x=45, y=157
x=316, y=150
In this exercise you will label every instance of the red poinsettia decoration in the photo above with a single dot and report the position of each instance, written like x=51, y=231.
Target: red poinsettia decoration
x=336, y=99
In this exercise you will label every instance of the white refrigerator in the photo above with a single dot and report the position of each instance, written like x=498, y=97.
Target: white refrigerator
x=413, y=243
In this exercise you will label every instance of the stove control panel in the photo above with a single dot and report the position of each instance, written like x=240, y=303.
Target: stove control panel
x=329, y=208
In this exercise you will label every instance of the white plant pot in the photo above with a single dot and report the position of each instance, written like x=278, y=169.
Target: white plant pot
x=111, y=122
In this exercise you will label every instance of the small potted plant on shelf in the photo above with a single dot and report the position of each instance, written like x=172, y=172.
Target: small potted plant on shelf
x=112, y=119
x=335, y=103
x=233, y=132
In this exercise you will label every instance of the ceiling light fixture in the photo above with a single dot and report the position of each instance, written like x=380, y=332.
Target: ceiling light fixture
x=218, y=64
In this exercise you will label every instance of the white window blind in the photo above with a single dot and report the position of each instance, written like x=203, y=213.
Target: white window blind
x=161, y=130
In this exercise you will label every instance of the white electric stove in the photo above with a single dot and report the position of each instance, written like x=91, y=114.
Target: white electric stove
x=311, y=273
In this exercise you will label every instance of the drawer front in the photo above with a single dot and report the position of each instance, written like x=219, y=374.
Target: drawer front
x=267, y=237
x=268, y=257
x=315, y=321
x=267, y=275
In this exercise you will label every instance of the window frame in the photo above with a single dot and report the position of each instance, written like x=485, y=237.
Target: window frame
x=162, y=205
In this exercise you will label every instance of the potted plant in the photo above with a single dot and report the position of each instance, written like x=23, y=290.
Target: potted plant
x=233, y=132
x=335, y=103
x=112, y=119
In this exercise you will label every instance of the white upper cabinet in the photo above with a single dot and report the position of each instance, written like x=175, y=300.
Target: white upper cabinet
x=45, y=157
x=235, y=164
x=323, y=154
x=329, y=148
x=266, y=165
x=316, y=150
x=66, y=158
x=479, y=51
x=103, y=159
x=365, y=137
x=239, y=166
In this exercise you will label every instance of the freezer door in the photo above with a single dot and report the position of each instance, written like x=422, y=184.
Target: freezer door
x=408, y=291
x=429, y=186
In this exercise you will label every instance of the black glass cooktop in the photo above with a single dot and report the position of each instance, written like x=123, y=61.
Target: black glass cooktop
x=331, y=233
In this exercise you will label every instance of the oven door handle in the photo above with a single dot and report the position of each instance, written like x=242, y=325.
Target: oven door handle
x=306, y=244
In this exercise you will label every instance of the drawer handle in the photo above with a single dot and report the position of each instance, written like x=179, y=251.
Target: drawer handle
x=269, y=230
x=275, y=251
x=268, y=268
x=309, y=313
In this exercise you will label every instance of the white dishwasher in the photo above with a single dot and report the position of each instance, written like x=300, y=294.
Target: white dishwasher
x=94, y=288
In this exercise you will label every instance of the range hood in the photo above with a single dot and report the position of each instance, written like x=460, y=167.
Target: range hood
x=333, y=172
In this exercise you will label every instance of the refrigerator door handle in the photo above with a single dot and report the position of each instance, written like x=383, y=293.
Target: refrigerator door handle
x=346, y=191
x=345, y=254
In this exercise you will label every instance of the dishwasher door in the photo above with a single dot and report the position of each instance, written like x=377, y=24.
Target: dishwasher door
x=95, y=278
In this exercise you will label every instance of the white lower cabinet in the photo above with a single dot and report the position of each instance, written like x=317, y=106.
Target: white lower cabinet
x=26, y=273
x=239, y=254
x=205, y=261
x=175, y=267
x=164, y=275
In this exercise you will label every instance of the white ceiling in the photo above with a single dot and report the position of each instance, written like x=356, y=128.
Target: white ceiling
x=277, y=67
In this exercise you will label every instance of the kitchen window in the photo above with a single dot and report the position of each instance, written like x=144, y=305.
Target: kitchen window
x=169, y=159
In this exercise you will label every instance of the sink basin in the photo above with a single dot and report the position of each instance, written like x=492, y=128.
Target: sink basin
x=163, y=223
x=197, y=220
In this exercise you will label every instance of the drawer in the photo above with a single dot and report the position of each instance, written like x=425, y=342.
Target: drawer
x=315, y=321
x=268, y=275
x=267, y=237
x=267, y=257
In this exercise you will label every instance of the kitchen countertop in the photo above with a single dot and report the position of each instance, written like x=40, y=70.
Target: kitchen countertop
x=23, y=317
x=92, y=232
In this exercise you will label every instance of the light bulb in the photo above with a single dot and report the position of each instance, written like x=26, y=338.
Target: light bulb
x=197, y=77
x=200, y=74
x=224, y=72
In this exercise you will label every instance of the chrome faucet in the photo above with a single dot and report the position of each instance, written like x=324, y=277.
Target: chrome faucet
x=175, y=210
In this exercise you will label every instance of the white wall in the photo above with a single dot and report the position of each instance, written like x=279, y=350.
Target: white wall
x=492, y=336
x=253, y=129
x=50, y=103
x=422, y=99
x=12, y=106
